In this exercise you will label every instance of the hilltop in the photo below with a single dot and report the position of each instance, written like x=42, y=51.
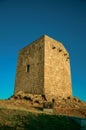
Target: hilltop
x=71, y=106
x=22, y=108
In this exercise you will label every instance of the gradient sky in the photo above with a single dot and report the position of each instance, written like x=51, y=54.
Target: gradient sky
x=23, y=21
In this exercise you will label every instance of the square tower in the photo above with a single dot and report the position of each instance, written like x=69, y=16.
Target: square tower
x=44, y=68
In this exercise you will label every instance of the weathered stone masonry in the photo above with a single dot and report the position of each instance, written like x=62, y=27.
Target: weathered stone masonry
x=44, y=68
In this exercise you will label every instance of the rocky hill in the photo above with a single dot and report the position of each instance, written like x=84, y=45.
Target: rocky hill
x=15, y=112
x=71, y=106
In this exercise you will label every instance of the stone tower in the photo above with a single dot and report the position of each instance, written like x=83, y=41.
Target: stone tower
x=44, y=68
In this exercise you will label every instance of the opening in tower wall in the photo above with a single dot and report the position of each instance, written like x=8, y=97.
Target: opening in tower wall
x=28, y=68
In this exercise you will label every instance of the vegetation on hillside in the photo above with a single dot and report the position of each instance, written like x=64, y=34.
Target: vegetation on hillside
x=23, y=120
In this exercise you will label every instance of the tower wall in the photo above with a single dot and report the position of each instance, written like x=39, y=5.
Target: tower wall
x=57, y=76
x=31, y=59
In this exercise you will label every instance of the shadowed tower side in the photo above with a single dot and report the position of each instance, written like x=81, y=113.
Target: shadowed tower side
x=30, y=68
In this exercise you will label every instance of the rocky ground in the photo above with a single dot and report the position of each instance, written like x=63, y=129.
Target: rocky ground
x=71, y=106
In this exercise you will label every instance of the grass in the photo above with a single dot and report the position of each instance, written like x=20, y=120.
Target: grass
x=23, y=120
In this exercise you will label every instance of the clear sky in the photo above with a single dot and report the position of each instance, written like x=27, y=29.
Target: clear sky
x=23, y=21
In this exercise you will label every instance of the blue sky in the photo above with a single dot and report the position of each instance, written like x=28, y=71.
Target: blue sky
x=23, y=21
